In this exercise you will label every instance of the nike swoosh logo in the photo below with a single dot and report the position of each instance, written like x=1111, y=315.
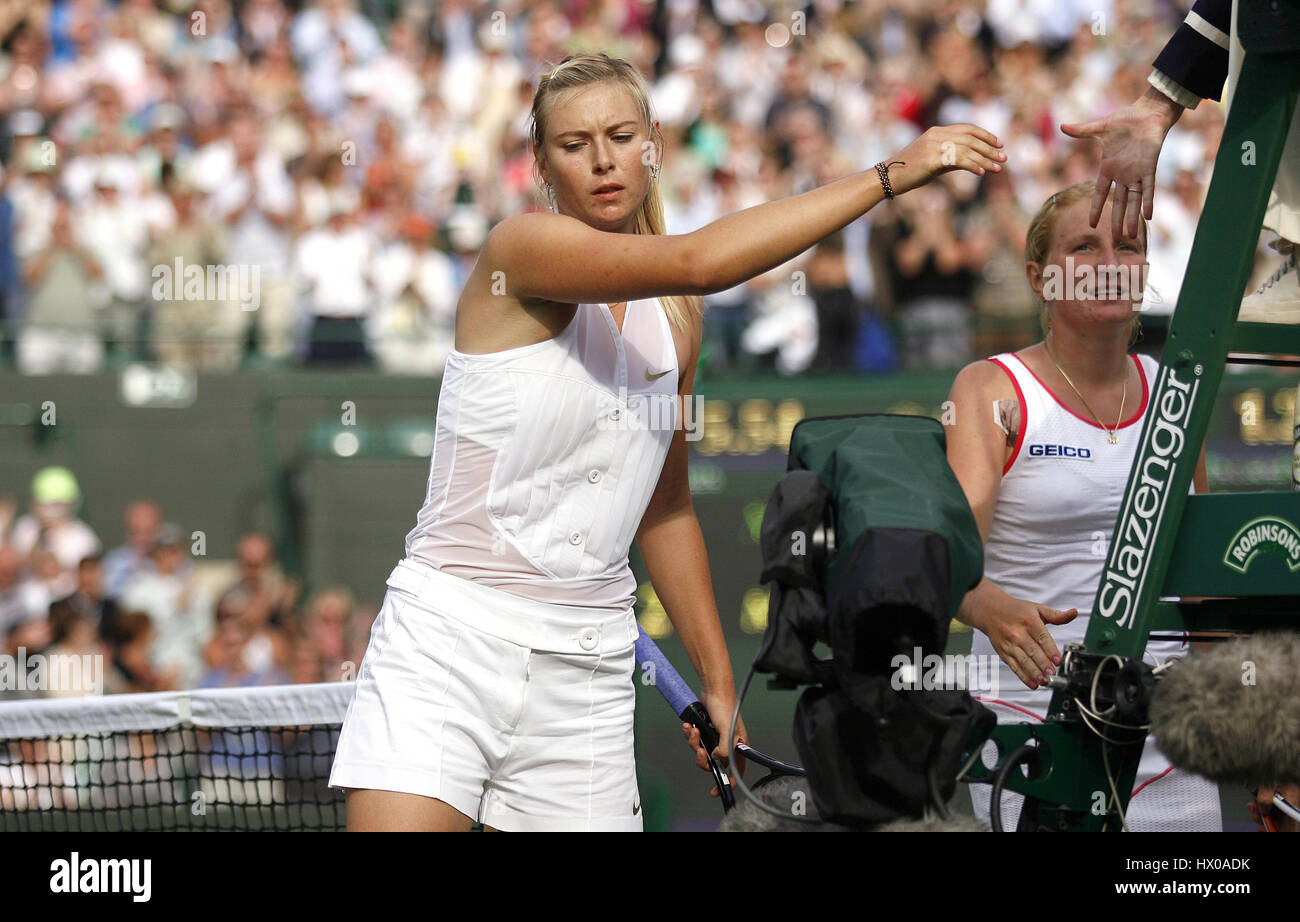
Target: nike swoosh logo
x=650, y=377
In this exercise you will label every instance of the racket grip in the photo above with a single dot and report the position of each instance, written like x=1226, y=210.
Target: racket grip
x=698, y=717
x=680, y=697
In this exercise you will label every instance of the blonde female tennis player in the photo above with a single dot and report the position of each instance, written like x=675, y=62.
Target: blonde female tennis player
x=1043, y=442
x=498, y=683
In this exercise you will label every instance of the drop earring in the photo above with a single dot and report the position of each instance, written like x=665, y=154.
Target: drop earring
x=550, y=196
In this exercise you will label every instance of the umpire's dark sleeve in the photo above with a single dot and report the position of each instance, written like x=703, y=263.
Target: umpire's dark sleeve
x=1196, y=58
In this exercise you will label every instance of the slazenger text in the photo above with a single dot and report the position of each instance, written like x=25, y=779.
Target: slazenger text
x=1144, y=506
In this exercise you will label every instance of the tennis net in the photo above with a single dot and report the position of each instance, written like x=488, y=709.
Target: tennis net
x=238, y=759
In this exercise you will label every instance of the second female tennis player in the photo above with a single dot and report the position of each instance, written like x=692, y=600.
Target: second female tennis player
x=1043, y=441
x=498, y=683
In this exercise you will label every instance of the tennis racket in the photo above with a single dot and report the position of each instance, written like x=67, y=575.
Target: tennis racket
x=687, y=706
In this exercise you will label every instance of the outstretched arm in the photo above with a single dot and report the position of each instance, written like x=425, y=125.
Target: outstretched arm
x=1130, y=139
x=1191, y=67
x=560, y=258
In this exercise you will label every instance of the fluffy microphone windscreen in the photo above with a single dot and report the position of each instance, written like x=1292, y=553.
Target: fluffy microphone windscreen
x=789, y=795
x=792, y=794
x=959, y=823
x=1232, y=713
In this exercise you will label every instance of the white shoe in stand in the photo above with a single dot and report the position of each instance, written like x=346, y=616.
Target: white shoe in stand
x=1278, y=299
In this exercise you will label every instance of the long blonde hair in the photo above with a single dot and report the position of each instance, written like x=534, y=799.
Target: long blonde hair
x=1038, y=240
x=578, y=70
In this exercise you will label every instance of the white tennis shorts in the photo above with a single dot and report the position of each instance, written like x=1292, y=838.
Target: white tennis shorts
x=515, y=712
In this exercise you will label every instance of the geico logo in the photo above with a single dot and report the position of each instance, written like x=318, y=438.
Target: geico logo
x=1059, y=451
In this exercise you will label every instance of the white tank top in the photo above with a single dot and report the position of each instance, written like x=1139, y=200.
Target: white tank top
x=1055, y=514
x=546, y=456
x=1060, y=494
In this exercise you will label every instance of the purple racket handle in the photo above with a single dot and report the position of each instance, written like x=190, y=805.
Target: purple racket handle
x=660, y=673
x=680, y=696
x=685, y=704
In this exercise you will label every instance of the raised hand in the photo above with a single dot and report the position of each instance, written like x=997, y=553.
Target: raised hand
x=1131, y=139
x=943, y=149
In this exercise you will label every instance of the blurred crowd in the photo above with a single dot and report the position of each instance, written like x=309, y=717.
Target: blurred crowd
x=144, y=616
x=338, y=163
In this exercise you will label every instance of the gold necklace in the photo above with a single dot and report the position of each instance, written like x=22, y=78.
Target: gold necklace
x=1111, y=437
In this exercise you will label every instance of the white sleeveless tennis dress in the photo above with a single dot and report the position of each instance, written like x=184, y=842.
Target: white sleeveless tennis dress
x=1056, y=510
x=498, y=677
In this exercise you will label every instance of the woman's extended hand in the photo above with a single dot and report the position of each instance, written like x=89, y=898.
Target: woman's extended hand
x=942, y=149
x=1130, y=139
x=1018, y=631
x=720, y=713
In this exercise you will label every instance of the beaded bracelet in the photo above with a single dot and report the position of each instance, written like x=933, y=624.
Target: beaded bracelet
x=882, y=168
